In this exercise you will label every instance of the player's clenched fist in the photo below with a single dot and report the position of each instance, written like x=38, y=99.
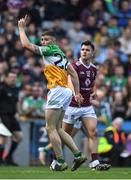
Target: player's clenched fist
x=79, y=99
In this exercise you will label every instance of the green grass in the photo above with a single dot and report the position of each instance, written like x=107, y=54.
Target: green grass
x=46, y=173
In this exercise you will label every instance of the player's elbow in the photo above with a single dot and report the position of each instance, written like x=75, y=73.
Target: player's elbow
x=26, y=46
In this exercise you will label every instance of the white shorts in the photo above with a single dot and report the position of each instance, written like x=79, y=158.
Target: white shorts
x=59, y=97
x=74, y=114
x=4, y=131
x=78, y=124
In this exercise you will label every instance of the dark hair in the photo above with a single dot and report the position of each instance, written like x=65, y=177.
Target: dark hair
x=88, y=43
x=49, y=33
x=117, y=43
x=9, y=72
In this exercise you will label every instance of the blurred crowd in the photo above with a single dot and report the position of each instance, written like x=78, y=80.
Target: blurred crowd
x=107, y=23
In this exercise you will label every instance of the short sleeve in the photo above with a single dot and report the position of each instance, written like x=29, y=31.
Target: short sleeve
x=45, y=50
x=75, y=67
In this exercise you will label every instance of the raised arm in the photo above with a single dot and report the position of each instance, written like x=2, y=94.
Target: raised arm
x=75, y=82
x=23, y=37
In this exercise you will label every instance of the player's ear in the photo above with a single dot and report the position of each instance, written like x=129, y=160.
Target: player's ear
x=54, y=39
x=93, y=54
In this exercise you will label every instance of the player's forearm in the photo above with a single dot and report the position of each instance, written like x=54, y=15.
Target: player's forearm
x=23, y=37
x=74, y=78
x=75, y=82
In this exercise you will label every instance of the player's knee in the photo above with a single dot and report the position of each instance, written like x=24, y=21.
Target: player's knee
x=2, y=139
x=93, y=133
x=18, y=136
x=96, y=132
x=50, y=128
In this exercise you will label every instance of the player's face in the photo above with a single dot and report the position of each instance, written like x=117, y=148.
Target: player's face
x=46, y=40
x=86, y=52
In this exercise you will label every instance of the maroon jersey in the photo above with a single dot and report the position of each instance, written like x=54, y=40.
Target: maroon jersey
x=86, y=76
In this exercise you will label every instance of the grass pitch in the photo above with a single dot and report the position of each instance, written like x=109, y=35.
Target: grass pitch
x=46, y=173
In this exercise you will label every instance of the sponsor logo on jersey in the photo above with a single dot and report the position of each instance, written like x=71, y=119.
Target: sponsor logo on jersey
x=88, y=73
x=82, y=72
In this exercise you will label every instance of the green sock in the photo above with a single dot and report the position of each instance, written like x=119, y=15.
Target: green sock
x=60, y=160
x=77, y=154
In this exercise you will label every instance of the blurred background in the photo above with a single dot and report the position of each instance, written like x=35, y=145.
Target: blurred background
x=107, y=23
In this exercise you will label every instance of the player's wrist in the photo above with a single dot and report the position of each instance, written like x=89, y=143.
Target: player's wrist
x=77, y=94
x=21, y=28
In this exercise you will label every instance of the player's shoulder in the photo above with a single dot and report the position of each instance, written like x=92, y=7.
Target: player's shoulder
x=53, y=46
x=56, y=49
x=77, y=62
x=94, y=66
x=49, y=47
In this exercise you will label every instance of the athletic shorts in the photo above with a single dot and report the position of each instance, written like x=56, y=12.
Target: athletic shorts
x=59, y=97
x=77, y=124
x=10, y=122
x=74, y=114
x=4, y=131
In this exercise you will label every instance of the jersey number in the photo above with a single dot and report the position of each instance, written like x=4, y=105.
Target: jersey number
x=43, y=137
x=62, y=60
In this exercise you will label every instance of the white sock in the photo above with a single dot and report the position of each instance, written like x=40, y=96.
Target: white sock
x=94, y=163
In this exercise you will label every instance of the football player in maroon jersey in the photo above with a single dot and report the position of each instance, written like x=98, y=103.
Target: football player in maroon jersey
x=87, y=72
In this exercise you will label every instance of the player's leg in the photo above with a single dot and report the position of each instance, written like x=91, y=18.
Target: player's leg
x=55, y=102
x=89, y=120
x=90, y=124
x=71, y=129
x=4, y=133
x=79, y=158
x=77, y=126
x=66, y=138
x=43, y=151
x=52, y=117
x=71, y=123
x=2, y=145
x=59, y=97
x=16, y=139
x=52, y=120
x=68, y=120
x=67, y=127
x=74, y=132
